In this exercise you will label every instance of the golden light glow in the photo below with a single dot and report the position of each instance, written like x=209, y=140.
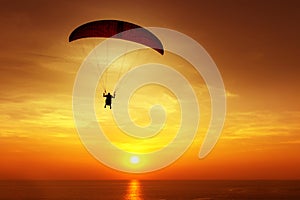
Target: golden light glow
x=258, y=60
x=145, y=97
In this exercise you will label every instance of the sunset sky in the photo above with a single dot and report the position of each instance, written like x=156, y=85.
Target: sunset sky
x=255, y=45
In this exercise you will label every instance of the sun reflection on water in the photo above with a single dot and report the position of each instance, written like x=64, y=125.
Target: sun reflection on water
x=133, y=191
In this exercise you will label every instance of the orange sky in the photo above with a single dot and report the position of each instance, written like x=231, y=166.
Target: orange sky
x=255, y=46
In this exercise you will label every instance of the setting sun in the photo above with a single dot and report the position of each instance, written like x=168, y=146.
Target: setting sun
x=134, y=159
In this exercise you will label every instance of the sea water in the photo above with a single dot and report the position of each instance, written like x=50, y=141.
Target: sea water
x=148, y=190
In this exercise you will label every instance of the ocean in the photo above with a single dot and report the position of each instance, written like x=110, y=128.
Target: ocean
x=148, y=190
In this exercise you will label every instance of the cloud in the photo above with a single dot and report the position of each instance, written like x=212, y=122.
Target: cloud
x=32, y=116
x=247, y=125
x=231, y=95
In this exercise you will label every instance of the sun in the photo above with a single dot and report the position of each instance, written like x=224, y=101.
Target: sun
x=134, y=159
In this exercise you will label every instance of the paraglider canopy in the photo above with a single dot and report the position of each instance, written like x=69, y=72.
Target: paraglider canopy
x=118, y=29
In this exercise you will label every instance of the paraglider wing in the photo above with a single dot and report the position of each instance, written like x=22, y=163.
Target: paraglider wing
x=118, y=29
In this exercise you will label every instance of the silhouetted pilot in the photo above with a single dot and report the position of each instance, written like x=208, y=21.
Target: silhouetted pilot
x=108, y=99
